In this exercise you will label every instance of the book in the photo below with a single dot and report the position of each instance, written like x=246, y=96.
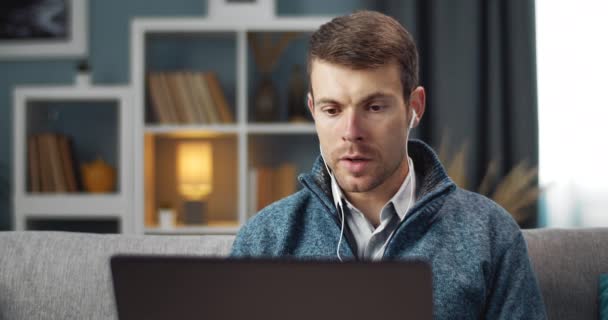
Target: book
x=219, y=98
x=209, y=106
x=185, y=97
x=167, y=98
x=67, y=161
x=271, y=184
x=285, y=181
x=55, y=160
x=33, y=165
x=188, y=97
x=46, y=175
x=158, y=101
x=202, y=98
x=177, y=98
x=197, y=98
x=265, y=187
x=252, y=201
x=49, y=156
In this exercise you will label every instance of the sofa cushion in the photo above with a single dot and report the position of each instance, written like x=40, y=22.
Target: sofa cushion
x=63, y=275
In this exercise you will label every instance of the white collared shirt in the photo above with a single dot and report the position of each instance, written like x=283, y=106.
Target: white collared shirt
x=371, y=242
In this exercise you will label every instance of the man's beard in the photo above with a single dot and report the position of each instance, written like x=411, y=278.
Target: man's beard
x=378, y=175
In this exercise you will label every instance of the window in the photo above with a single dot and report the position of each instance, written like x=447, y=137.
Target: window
x=572, y=67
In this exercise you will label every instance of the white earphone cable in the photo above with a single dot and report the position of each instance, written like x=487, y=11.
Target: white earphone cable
x=341, y=235
x=338, y=202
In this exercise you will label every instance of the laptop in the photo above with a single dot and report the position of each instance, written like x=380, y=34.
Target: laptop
x=179, y=287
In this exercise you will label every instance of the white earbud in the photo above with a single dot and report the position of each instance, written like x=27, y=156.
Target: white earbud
x=334, y=186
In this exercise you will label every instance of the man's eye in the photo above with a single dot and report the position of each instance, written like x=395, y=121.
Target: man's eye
x=331, y=111
x=376, y=107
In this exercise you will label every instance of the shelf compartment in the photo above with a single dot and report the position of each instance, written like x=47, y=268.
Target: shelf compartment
x=270, y=177
x=162, y=182
x=89, y=225
x=91, y=129
x=179, y=64
x=277, y=83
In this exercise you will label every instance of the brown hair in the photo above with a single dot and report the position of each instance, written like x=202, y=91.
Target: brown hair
x=364, y=40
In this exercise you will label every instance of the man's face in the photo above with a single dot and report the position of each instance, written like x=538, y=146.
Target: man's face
x=362, y=123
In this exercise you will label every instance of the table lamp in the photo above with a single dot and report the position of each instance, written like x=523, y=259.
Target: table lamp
x=195, y=179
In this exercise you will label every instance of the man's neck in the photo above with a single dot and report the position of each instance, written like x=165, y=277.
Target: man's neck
x=371, y=202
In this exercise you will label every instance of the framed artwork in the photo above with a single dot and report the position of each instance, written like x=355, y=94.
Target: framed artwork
x=43, y=28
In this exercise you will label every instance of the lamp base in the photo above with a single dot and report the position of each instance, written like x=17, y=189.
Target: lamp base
x=194, y=212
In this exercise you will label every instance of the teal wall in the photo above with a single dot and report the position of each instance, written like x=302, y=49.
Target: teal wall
x=109, y=29
x=109, y=23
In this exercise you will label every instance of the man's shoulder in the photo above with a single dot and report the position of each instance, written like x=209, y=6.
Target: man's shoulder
x=284, y=208
x=268, y=232
x=282, y=212
x=481, y=214
x=484, y=246
x=482, y=206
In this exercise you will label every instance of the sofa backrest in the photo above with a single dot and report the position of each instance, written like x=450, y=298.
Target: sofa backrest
x=62, y=275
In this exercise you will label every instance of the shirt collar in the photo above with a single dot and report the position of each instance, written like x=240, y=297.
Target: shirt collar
x=401, y=199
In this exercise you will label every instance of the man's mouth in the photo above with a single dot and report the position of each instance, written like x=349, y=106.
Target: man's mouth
x=355, y=164
x=355, y=158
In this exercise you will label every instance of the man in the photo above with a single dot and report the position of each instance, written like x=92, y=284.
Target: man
x=394, y=195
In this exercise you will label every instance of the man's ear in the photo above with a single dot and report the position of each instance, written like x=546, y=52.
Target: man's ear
x=311, y=104
x=418, y=103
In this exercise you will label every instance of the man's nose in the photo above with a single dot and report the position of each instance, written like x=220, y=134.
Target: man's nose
x=353, y=127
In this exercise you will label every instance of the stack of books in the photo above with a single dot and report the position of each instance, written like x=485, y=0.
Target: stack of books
x=51, y=163
x=182, y=97
x=269, y=184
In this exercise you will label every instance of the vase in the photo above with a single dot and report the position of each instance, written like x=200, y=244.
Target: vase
x=98, y=176
x=296, y=98
x=266, y=101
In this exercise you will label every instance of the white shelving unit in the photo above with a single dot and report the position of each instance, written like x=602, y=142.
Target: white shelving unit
x=81, y=205
x=220, y=21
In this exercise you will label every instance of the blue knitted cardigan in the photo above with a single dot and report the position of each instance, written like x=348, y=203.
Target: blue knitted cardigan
x=477, y=253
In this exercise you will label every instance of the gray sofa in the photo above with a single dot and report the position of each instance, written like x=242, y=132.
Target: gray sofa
x=60, y=275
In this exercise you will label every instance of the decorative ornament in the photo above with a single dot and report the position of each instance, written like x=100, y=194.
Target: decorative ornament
x=98, y=176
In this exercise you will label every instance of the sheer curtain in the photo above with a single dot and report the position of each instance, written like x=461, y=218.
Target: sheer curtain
x=572, y=71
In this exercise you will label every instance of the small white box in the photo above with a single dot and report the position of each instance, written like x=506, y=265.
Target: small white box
x=166, y=219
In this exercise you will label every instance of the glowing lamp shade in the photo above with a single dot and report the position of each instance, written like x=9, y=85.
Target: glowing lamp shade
x=194, y=169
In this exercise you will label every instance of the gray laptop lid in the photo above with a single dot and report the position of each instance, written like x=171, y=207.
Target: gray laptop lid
x=161, y=287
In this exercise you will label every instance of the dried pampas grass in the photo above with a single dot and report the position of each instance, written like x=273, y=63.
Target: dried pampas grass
x=516, y=192
x=267, y=49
